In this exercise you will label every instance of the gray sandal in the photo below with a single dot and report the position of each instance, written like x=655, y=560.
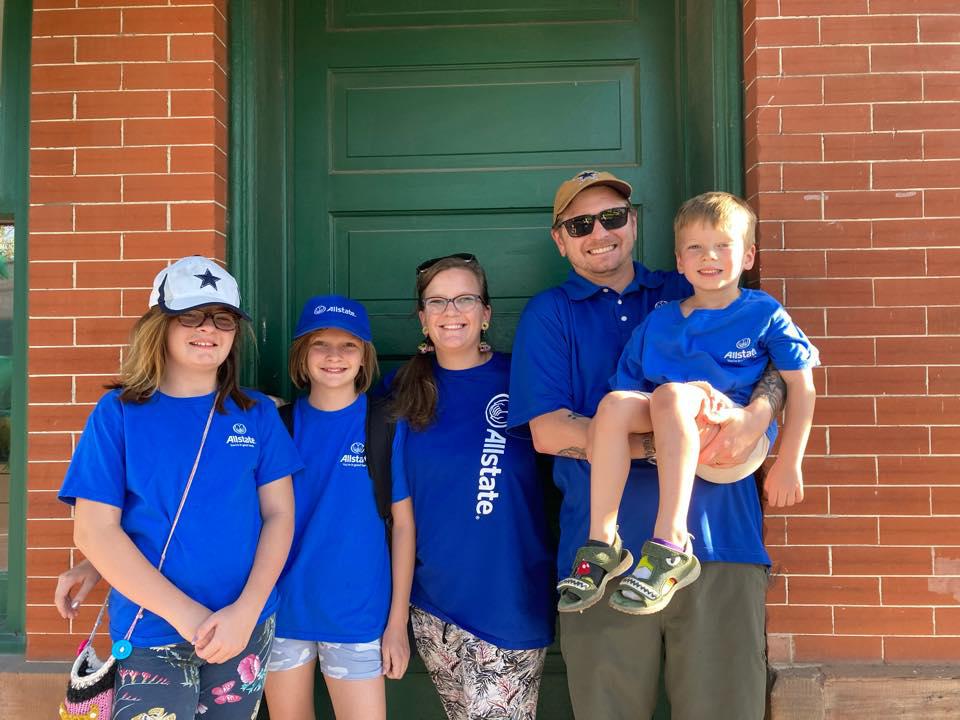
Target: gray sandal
x=579, y=591
x=659, y=574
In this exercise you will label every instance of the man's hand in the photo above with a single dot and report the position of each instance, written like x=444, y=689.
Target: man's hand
x=738, y=435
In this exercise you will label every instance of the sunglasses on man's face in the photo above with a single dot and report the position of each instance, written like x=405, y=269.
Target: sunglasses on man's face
x=581, y=225
x=222, y=319
x=427, y=264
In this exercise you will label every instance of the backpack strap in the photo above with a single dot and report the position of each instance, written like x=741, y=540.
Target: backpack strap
x=286, y=414
x=380, y=431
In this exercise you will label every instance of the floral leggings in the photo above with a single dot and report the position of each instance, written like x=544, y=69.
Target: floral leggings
x=162, y=683
x=477, y=680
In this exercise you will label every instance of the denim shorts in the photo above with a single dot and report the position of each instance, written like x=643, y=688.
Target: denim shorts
x=346, y=661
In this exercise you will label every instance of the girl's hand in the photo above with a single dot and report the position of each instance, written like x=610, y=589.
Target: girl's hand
x=225, y=633
x=73, y=586
x=189, y=619
x=395, y=650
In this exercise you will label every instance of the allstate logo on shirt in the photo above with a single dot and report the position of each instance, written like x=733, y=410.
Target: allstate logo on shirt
x=743, y=351
x=659, y=304
x=494, y=445
x=496, y=411
x=356, y=457
x=240, y=437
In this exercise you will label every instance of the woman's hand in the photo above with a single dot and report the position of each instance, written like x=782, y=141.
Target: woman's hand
x=225, y=633
x=73, y=586
x=395, y=649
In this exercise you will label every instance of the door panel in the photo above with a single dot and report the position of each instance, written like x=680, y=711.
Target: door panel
x=354, y=14
x=433, y=127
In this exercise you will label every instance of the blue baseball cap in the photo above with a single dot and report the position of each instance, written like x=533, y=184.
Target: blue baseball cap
x=334, y=311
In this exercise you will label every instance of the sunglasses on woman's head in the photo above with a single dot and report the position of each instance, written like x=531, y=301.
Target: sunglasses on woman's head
x=611, y=219
x=222, y=319
x=427, y=264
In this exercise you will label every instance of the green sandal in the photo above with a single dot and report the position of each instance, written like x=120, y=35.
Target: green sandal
x=579, y=591
x=659, y=574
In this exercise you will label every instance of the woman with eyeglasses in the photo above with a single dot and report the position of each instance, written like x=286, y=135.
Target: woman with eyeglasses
x=178, y=466
x=482, y=597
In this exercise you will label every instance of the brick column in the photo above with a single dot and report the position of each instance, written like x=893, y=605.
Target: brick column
x=127, y=171
x=853, y=163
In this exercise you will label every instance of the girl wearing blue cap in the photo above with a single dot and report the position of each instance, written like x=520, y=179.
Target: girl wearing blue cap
x=342, y=605
x=482, y=620
x=183, y=502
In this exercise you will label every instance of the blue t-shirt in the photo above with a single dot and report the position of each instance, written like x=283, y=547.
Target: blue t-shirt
x=138, y=457
x=566, y=348
x=483, y=559
x=728, y=347
x=336, y=586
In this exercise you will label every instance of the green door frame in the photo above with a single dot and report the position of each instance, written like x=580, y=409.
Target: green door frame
x=14, y=203
x=259, y=241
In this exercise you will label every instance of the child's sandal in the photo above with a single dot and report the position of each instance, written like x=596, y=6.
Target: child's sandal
x=659, y=574
x=579, y=591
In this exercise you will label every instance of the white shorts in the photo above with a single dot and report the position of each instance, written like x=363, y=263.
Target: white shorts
x=346, y=661
x=727, y=475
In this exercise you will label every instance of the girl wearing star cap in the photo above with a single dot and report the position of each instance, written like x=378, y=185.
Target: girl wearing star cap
x=183, y=502
x=344, y=596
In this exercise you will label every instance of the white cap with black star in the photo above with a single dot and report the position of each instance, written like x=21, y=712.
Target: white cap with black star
x=194, y=282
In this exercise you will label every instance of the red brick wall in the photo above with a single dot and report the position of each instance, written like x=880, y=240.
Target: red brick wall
x=127, y=171
x=853, y=163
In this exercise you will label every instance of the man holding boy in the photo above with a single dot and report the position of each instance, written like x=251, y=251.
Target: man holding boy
x=566, y=349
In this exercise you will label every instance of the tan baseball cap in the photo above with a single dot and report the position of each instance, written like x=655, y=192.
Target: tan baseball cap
x=583, y=180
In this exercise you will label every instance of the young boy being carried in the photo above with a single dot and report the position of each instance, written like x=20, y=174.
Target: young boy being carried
x=683, y=368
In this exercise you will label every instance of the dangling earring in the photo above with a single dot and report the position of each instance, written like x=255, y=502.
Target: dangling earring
x=426, y=347
x=484, y=346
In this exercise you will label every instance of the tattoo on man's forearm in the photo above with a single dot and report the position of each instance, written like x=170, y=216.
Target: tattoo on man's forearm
x=772, y=387
x=573, y=452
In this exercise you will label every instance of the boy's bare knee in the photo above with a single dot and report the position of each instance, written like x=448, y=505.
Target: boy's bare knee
x=615, y=407
x=669, y=394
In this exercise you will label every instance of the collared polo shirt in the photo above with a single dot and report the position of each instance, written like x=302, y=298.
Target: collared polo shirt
x=567, y=345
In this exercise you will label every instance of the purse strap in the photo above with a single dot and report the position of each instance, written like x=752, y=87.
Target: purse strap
x=173, y=526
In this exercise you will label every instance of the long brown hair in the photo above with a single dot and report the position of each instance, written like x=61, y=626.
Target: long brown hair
x=145, y=360
x=415, y=387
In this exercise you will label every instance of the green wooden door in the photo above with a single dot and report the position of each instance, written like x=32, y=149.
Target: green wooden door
x=367, y=135
x=437, y=126
x=424, y=128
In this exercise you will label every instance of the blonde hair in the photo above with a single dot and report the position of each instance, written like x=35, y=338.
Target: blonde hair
x=145, y=362
x=300, y=351
x=720, y=210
